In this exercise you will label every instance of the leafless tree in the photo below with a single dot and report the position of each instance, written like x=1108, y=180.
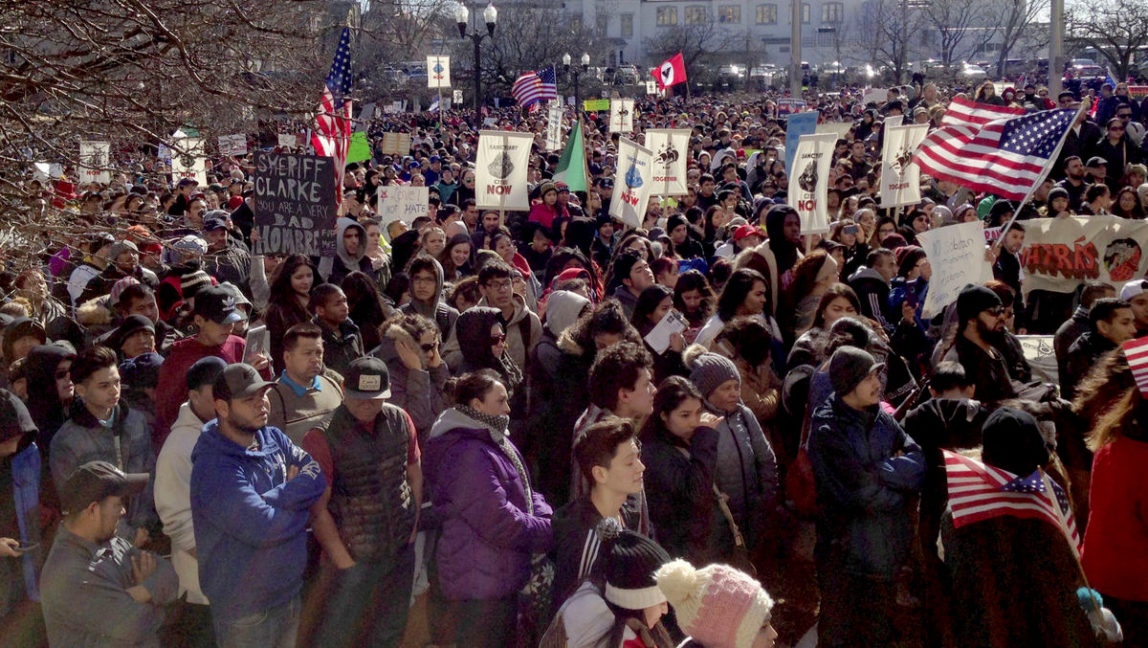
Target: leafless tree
x=1118, y=29
x=1016, y=23
x=695, y=41
x=885, y=33
x=961, y=26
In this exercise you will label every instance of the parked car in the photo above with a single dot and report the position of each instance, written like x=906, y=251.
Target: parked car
x=972, y=73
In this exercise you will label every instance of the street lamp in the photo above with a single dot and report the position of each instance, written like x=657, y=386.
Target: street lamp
x=462, y=16
x=576, y=71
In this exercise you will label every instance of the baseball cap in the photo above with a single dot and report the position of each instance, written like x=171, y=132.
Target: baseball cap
x=212, y=224
x=1133, y=288
x=218, y=305
x=205, y=371
x=1096, y=161
x=239, y=380
x=94, y=481
x=368, y=379
x=745, y=231
x=14, y=417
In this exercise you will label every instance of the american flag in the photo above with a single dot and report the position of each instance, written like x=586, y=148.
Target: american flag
x=1136, y=351
x=980, y=492
x=996, y=149
x=533, y=87
x=332, y=134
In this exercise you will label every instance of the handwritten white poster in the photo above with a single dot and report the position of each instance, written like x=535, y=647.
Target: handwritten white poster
x=402, y=203
x=957, y=255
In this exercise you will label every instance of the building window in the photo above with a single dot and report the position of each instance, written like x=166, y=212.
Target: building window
x=603, y=22
x=767, y=14
x=667, y=15
x=805, y=13
x=832, y=12
x=627, y=25
x=729, y=14
x=695, y=15
x=826, y=38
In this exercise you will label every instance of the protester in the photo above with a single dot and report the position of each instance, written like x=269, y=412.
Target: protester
x=304, y=396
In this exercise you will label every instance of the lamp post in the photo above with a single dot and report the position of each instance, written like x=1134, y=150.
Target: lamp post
x=576, y=71
x=462, y=16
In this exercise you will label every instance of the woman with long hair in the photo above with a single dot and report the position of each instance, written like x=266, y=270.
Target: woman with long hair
x=368, y=310
x=1127, y=204
x=287, y=303
x=653, y=304
x=812, y=277
x=1115, y=556
x=745, y=293
x=455, y=258
x=694, y=299
x=884, y=228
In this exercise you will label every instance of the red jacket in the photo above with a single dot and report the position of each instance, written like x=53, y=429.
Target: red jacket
x=1116, y=540
x=171, y=388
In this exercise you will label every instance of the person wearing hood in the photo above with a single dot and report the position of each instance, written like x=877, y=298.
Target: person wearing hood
x=493, y=521
x=866, y=471
x=746, y=467
x=350, y=252
x=410, y=349
x=483, y=343
x=251, y=494
x=520, y=326
x=427, y=295
x=20, y=488
x=102, y=428
x=783, y=229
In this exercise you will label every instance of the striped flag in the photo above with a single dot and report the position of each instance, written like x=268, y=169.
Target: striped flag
x=1136, y=351
x=980, y=492
x=995, y=149
x=533, y=87
x=332, y=134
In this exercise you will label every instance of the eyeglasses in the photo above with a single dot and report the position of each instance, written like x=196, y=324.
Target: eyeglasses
x=505, y=284
x=1125, y=115
x=1116, y=128
x=497, y=338
x=62, y=374
x=996, y=311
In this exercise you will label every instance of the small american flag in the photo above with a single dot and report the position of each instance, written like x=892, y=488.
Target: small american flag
x=332, y=134
x=980, y=492
x=995, y=149
x=1137, y=353
x=533, y=87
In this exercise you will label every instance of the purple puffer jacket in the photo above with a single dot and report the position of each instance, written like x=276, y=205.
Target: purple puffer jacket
x=488, y=533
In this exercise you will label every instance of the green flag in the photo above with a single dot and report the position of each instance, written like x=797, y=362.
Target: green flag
x=571, y=167
x=359, y=149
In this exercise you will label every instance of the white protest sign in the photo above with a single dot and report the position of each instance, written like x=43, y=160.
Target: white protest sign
x=651, y=88
x=901, y=178
x=633, y=180
x=875, y=95
x=287, y=140
x=457, y=96
x=501, y=166
x=809, y=181
x=438, y=71
x=187, y=160
x=621, y=115
x=671, y=148
x=233, y=144
x=397, y=203
x=554, y=127
x=957, y=256
x=94, y=159
x=365, y=117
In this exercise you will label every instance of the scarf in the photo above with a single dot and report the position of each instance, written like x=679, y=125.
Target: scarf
x=498, y=431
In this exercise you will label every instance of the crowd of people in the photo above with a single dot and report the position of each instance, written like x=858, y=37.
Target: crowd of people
x=473, y=430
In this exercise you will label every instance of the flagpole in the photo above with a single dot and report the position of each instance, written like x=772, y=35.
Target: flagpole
x=1044, y=173
x=440, y=109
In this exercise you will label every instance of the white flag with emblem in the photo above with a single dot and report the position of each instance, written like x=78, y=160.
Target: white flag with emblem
x=500, y=171
x=633, y=180
x=901, y=178
x=809, y=181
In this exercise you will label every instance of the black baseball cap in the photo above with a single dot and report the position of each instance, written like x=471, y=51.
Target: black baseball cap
x=212, y=224
x=218, y=305
x=368, y=379
x=94, y=481
x=239, y=380
x=1096, y=161
x=14, y=417
x=205, y=371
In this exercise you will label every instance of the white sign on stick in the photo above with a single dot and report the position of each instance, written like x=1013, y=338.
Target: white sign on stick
x=554, y=127
x=809, y=181
x=671, y=150
x=397, y=203
x=901, y=178
x=94, y=160
x=187, y=160
x=438, y=71
x=634, y=178
x=621, y=115
x=957, y=256
x=501, y=166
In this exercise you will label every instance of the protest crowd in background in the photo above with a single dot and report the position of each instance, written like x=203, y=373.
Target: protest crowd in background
x=242, y=410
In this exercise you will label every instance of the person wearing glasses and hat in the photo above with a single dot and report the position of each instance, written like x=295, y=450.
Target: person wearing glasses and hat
x=367, y=518
x=97, y=589
x=980, y=333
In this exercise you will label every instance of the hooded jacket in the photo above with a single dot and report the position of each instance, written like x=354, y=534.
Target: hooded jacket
x=173, y=500
x=436, y=310
x=344, y=263
x=417, y=391
x=490, y=528
x=20, y=327
x=746, y=471
x=48, y=413
x=522, y=334
x=873, y=293
x=250, y=520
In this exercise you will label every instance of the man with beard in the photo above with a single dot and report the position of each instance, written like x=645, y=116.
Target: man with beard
x=251, y=493
x=1073, y=181
x=1111, y=322
x=1135, y=292
x=980, y=332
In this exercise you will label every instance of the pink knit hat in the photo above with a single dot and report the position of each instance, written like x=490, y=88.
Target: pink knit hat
x=719, y=606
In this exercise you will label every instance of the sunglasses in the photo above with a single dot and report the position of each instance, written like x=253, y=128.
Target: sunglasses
x=60, y=375
x=427, y=348
x=497, y=339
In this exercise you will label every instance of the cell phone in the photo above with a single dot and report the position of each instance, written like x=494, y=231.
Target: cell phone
x=258, y=341
x=850, y=229
x=25, y=548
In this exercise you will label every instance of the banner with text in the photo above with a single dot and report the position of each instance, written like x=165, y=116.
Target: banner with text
x=957, y=255
x=94, y=159
x=554, y=127
x=621, y=115
x=809, y=181
x=1059, y=254
x=295, y=206
x=503, y=158
x=233, y=144
x=671, y=149
x=438, y=71
x=632, y=182
x=402, y=203
x=900, y=178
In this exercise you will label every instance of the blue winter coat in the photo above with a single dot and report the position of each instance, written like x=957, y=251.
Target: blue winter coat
x=489, y=529
x=863, y=491
x=26, y=498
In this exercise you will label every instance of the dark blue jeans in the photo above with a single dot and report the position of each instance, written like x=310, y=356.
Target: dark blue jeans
x=368, y=603
x=271, y=628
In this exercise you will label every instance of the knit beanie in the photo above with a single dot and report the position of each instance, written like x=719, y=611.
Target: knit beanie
x=848, y=367
x=674, y=221
x=630, y=562
x=1057, y=192
x=718, y=606
x=710, y=370
x=907, y=257
x=974, y=300
x=1012, y=442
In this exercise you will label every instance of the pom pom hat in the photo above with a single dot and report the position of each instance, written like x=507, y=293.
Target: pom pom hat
x=719, y=606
